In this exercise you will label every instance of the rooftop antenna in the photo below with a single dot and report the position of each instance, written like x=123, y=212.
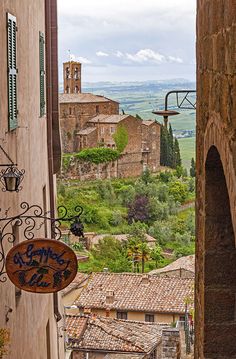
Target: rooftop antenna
x=69, y=55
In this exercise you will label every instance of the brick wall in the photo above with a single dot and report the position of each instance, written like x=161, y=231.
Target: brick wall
x=216, y=179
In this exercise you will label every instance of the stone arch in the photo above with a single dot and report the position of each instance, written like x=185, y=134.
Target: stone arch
x=219, y=255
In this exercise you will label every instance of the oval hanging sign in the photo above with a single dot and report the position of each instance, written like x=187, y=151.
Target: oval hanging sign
x=41, y=265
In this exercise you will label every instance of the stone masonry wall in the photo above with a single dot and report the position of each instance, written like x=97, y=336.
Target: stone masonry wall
x=170, y=343
x=215, y=334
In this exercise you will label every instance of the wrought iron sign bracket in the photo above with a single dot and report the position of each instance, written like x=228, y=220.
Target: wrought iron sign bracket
x=32, y=217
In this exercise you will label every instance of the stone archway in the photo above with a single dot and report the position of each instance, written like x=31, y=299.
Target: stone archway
x=219, y=264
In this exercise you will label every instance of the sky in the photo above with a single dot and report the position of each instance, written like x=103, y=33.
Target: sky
x=128, y=40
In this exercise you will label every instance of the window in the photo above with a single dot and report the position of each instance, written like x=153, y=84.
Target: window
x=97, y=109
x=122, y=315
x=149, y=318
x=67, y=89
x=112, y=129
x=102, y=129
x=12, y=72
x=76, y=89
x=41, y=74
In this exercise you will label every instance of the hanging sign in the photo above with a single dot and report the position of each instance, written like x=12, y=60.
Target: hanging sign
x=41, y=265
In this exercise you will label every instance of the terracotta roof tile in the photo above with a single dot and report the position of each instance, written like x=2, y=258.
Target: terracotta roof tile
x=86, y=131
x=77, y=282
x=108, y=334
x=137, y=292
x=108, y=118
x=82, y=98
x=187, y=263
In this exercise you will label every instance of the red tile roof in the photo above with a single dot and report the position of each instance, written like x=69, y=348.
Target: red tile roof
x=79, y=280
x=187, y=263
x=136, y=292
x=108, y=334
x=82, y=98
x=108, y=118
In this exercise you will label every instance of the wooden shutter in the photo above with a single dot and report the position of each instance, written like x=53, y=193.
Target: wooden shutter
x=12, y=72
x=41, y=74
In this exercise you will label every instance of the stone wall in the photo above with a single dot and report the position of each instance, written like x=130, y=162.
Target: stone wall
x=170, y=343
x=74, y=116
x=216, y=180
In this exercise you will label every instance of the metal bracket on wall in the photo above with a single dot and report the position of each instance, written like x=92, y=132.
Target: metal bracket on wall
x=33, y=218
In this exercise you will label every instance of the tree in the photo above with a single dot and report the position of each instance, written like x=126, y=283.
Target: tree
x=121, y=138
x=137, y=246
x=146, y=176
x=193, y=168
x=164, y=147
x=138, y=117
x=138, y=210
x=171, y=158
x=179, y=191
x=176, y=154
x=156, y=254
x=110, y=253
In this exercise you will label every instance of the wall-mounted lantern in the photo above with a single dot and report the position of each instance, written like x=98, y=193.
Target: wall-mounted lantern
x=11, y=177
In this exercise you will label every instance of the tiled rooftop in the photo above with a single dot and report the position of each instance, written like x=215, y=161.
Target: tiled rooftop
x=107, y=334
x=187, y=263
x=82, y=98
x=108, y=118
x=86, y=131
x=136, y=292
x=77, y=282
x=124, y=356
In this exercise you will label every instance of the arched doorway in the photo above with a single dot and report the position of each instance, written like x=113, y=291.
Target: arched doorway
x=219, y=264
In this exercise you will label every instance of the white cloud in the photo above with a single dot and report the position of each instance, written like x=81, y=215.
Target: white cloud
x=81, y=59
x=102, y=54
x=148, y=55
x=175, y=59
x=119, y=54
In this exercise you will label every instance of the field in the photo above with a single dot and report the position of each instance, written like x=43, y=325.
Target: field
x=142, y=98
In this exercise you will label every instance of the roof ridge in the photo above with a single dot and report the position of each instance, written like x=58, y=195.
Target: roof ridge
x=110, y=331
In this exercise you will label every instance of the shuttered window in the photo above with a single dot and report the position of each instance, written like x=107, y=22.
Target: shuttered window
x=12, y=72
x=41, y=74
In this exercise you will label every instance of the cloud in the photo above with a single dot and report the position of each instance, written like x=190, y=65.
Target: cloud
x=148, y=55
x=119, y=54
x=81, y=59
x=102, y=54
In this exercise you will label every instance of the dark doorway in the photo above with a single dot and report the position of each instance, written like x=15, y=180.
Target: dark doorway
x=219, y=264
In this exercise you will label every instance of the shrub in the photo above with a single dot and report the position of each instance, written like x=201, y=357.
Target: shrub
x=179, y=191
x=98, y=155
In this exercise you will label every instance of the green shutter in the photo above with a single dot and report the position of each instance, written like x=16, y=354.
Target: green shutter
x=12, y=72
x=41, y=74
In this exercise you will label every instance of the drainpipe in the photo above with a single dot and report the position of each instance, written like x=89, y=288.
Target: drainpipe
x=52, y=94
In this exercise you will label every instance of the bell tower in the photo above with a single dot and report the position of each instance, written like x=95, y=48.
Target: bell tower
x=72, y=77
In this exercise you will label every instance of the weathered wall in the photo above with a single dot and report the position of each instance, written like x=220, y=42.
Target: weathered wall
x=74, y=116
x=27, y=146
x=216, y=179
x=170, y=344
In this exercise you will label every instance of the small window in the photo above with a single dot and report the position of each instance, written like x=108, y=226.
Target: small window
x=112, y=129
x=122, y=315
x=76, y=89
x=102, y=129
x=67, y=89
x=149, y=318
x=182, y=318
x=97, y=109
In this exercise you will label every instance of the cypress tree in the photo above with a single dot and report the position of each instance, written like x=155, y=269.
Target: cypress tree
x=192, y=168
x=176, y=154
x=171, y=148
x=164, y=146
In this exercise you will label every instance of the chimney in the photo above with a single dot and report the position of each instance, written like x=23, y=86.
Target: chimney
x=110, y=296
x=171, y=343
x=145, y=279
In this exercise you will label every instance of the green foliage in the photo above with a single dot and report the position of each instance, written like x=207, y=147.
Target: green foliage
x=121, y=138
x=156, y=254
x=138, y=117
x=170, y=152
x=179, y=191
x=193, y=168
x=146, y=176
x=77, y=246
x=98, y=155
x=110, y=253
x=126, y=194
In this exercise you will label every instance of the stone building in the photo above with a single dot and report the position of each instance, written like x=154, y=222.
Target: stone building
x=76, y=110
x=99, y=337
x=72, y=77
x=136, y=297
x=216, y=180
x=183, y=267
x=29, y=133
